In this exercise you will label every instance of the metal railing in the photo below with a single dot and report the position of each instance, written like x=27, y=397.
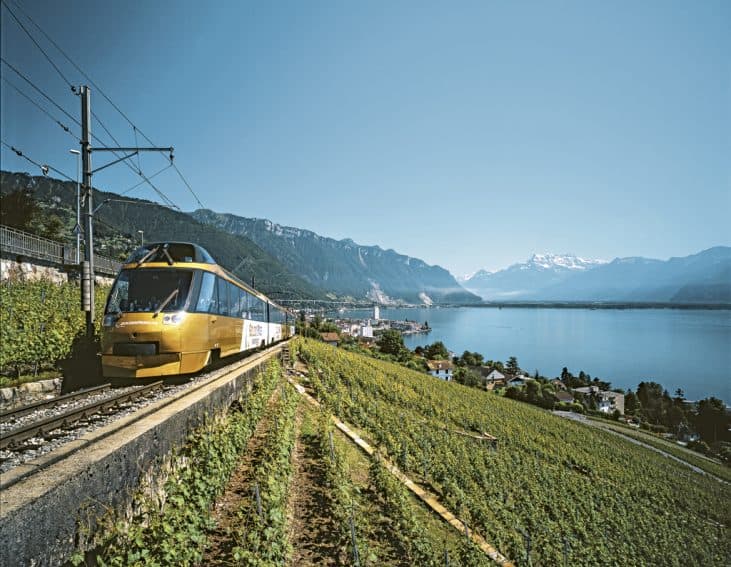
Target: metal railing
x=17, y=242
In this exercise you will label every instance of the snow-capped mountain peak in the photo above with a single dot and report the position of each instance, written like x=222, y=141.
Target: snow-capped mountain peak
x=540, y=263
x=558, y=262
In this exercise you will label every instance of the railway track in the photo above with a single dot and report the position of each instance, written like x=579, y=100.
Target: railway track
x=15, y=413
x=39, y=434
x=14, y=438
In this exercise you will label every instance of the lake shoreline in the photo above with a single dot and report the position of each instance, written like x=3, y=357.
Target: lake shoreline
x=586, y=305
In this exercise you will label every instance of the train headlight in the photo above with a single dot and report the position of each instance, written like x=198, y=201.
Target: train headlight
x=110, y=319
x=173, y=318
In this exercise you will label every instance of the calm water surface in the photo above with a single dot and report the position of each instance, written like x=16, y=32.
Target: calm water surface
x=677, y=348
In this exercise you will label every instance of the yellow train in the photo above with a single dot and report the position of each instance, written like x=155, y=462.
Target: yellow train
x=173, y=309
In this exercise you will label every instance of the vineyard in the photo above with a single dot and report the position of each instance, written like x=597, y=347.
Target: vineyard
x=40, y=321
x=228, y=499
x=550, y=492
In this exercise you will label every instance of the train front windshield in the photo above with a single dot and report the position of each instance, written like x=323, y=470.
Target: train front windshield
x=146, y=289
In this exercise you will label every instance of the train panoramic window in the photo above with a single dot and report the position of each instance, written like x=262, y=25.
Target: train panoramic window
x=222, y=297
x=207, y=295
x=258, y=309
x=240, y=303
x=146, y=290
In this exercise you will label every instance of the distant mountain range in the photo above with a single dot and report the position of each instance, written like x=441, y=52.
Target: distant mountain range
x=288, y=262
x=520, y=280
x=284, y=262
x=344, y=267
x=700, y=278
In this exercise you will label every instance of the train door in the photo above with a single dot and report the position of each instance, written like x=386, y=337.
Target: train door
x=269, y=323
x=208, y=304
x=226, y=330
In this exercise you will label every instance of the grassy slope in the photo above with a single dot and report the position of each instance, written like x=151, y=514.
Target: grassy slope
x=701, y=461
x=612, y=500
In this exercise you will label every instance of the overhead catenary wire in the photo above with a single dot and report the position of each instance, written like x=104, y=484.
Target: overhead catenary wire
x=188, y=186
x=107, y=98
x=48, y=58
x=136, y=185
x=138, y=169
x=39, y=107
x=39, y=90
x=43, y=167
x=95, y=137
x=83, y=73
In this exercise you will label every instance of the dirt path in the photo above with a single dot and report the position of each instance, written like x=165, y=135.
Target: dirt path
x=237, y=494
x=314, y=535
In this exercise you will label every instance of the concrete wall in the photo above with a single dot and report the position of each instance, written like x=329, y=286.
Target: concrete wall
x=44, y=517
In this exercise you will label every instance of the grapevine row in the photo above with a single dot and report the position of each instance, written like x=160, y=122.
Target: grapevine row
x=262, y=533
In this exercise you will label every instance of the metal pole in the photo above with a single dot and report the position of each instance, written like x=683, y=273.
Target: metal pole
x=78, y=207
x=77, y=228
x=88, y=293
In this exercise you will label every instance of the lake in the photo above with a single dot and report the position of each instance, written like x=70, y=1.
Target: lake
x=679, y=348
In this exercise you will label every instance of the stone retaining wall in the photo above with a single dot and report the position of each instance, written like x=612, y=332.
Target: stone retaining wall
x=14, y=270
x=29, y=390
x=44, y=516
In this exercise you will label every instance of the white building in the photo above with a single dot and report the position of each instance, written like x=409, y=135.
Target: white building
x=366, y=330
x=606, y=401
x=376, y=312
x=441, y=369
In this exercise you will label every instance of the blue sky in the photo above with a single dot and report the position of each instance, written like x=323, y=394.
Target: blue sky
x=469, y=134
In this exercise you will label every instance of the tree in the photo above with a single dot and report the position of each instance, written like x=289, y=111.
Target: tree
x=650, y=395
x=679, y=398
x=496, y=364
x=311, y=333
x=631, y=403
x=52, y=228
x=711, y=422
x=19, y=210
x=512, y=366
x=436, y=351
x=532, y=391
x=472, y=358
x=317, y=321
x=391, y=342
x=467, y=377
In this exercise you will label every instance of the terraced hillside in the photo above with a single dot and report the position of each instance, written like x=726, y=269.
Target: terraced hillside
x=556, y=490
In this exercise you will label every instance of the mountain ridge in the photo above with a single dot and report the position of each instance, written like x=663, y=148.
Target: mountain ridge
x=344, y=266
x=119, y=219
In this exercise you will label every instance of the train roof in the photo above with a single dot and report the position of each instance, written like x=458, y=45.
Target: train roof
x=186, y=252
x=178, y=252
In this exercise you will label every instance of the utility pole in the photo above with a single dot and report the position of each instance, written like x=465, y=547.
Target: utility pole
x=87, y=266
x=87, y=269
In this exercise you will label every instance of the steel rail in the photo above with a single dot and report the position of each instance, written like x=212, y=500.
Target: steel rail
x=30, y=408
x=16, y=436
